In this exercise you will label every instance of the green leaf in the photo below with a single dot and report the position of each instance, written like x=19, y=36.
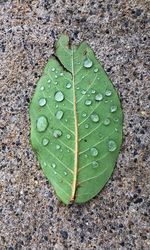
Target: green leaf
x=76, y=123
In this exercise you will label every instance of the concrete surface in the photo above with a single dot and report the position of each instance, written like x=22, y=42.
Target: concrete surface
x=31, y=217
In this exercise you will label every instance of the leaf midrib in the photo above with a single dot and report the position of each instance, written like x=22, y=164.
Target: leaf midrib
x=75, y=170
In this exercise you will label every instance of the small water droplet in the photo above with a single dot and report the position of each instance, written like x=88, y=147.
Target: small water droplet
x=66, y=120
x=77, y=87
x=94, y=151
x=106, y=101
x=95, y=164
x=59, y=96
x=87, y=63
x=112, y=146
x=53, y=165
x=56, y=106
x=85, y=156
x=68, y=85
x=55, y=172
x=88, y=102
x=113, y=108
x=88, y=95
x=83, y=77
x=94, y=117
x=116, y=129
x=49, y=85
x=59, y=114
x=86, y=126
x=42, y=102
x=44, y=164
x=116, y=119
x=83, y=92
x=53, y=69
x=68, y=136
x=61, y=74
x=93, y=91
x=55, y=83
x=65, y=173
x=108, y=93
x=57, y=133
x=98, y=97
x=84, y=114
x=106, y=121
x=41, y=124
x=45, y=141
x=96, y=70
x=49, y=80
x=68, y=150
x=42, y=88
x=56, y=76
x=58, y=147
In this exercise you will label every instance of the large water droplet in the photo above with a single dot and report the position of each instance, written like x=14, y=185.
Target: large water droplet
x=68, y=85
x=42, y=102
x=108, y=93
x=94, y=117
x=106, y=121
x=94, y=151
x=88, y=102
x=95, y=164
x=58, y=147
x=87, y=63
x=96, y=70
x=53, y=165
x=68, y=136
x=112, y=146
x=59, y=96
x=98, y=97
x=42, y=88
x=113, y=108
x=57, y=133
x=59, y=114
x=45, y=141
x=41, y=123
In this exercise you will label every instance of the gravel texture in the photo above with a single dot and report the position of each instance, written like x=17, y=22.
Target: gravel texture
x=31, y=217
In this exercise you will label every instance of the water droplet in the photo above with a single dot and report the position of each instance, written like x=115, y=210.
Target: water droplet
x=83, y=77
x=68, y=150
x=84, y=114
x=65, y=173
x=88, y=102
x=58, y=147
x=83, y=92
x=41, y=123
x=77, y=87
x=57, y=133
x=113, y=108
x=106, y=101
x=85, y=156
x=59, y=114
x=116, y=119
x=94, y=117
x=106, y=121
x=68, y=85
x=49, y=85
x=49, y=81
x=59, y=96
x=68, y=136
x=66, y=120
x=98, y=97
x=108, y=93
x=94, y=151
x=93, y=91
x=42, y=102
x=95, y=164
x=42, y=88
x=53, y=69
x=96, y=70
x=86, y=126
x=87, y=63
x=45, y=141
x=116, y=129
x=53, y=165
x=61, y=74
x=112, y=146
x=44, y=164
x=56, y=76
x=55, y=83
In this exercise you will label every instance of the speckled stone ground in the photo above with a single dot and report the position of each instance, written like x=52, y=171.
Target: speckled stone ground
x=31, y=217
